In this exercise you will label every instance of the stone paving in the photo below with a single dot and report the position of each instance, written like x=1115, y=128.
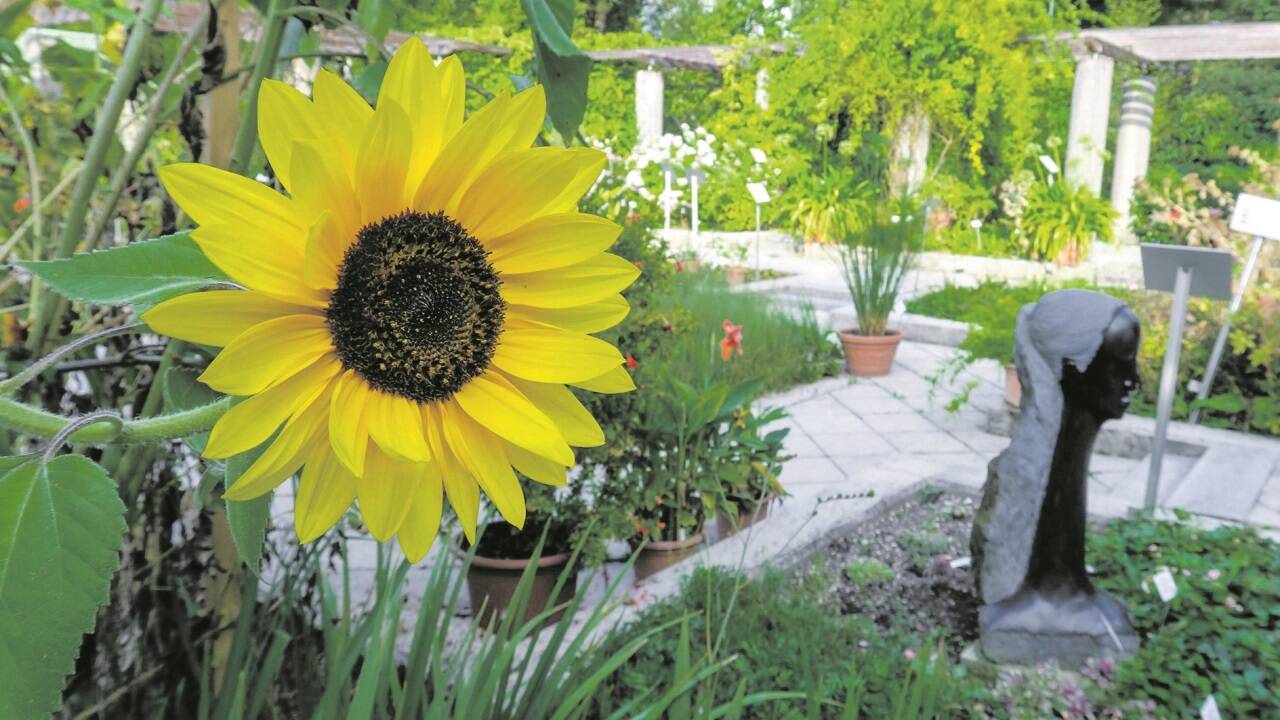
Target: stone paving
x=847, y=434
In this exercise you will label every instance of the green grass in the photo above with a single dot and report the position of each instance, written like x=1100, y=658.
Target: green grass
x=783, y=349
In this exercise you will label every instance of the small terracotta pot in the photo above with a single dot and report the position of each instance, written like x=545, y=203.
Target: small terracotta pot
x=735, y=275
x=870, y=355
x=726, y=526
x=1012, y=385
x=692, y=266
x=662, y=554
x=491, y=583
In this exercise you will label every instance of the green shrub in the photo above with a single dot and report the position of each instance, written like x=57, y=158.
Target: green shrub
x=1218, y=635
x=868, y=571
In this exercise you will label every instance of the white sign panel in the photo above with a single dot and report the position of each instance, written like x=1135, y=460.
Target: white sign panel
x=1256, y=215
x=1049, y=164
x=758, y=193
x=1209, y=709
x=758, y=155
x=1165, y=585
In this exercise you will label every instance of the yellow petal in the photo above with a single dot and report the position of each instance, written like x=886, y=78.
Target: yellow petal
x=382, y=164
x=348, y=430
x=551, y=241
x=346, y=115
x=597, y=316
x=568, y=414
x=209, y=195
x=325, y=491
x=617, y=380
x=422, y=524
x=453, y=96
x=215, y=317
x=506, y=123
x=586, y=282
x=385, y=491
x=271, y=269
x=459, y=486
x=268, y=353
x=284, y=117
x=325, y=249
x=413, y=82
x=546, y=354
x=536, y=467
x=521, y=186
x=482, y=454
x=495, y=403
x=395, y=424
x=324, y=185
x=250, y=422
x=283, y=458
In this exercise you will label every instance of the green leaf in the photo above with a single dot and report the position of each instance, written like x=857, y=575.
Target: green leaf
x=61, y=527
x=562, y=68
x=374, y=17
x=143, y=273
x=248, y=518
x=368, y=82
x=1231, y=403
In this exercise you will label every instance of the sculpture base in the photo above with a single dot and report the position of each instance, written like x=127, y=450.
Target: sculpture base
x=1032, y=626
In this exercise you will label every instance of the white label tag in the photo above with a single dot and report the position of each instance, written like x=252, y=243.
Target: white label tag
x=758, y=193
x=1165, y=585
x=1256, y=215
x=963, y=562
x=1209, y=710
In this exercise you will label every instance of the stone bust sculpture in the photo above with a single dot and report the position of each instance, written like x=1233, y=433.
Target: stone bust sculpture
x=1076, y=357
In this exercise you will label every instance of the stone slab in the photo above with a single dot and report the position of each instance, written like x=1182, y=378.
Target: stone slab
x=1226, y=481
x=926, y=443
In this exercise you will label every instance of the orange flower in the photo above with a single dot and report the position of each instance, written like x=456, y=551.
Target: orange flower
x=732, y=340
x=632, y=363
x=21, y=203
x=679, y=266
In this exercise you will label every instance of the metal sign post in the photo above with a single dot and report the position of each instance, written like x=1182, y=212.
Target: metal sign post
x=696, y=177
x=760, y=195
x=1186, y=272
x=1259, y=217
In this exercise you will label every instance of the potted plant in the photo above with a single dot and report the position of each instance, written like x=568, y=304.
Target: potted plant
x=750, y=473
x=672, y=480
x=1061, y=219
x=875, y=260
x=688, y=261
x=736, y=253
x=503, y=552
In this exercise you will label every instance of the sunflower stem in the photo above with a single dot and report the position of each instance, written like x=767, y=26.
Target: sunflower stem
x=39, y=366
x=42, y=423
x=268, y=55
x=104, y=132
x=136, y=455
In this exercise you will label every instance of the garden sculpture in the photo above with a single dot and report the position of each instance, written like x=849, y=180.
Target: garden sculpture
x=1075, y=353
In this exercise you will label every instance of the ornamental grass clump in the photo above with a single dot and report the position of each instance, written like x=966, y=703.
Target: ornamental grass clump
x=875, y=260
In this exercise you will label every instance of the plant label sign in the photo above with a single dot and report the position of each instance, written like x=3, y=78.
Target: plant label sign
x=1166, y=588
x=1256, y=216
x=758, y=192
x=1209, y=709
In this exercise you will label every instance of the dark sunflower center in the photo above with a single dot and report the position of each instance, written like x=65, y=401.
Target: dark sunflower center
x=417, y=310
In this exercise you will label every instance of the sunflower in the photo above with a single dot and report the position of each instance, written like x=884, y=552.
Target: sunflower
x=412, y=311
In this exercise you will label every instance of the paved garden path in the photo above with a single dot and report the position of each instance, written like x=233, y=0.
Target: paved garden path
x=847, y=435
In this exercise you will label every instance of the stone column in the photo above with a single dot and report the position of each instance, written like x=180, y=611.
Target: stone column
x=1090, y=105
x=909, y=159
x=762, y=89
x=649, y=91
x=1133, y=148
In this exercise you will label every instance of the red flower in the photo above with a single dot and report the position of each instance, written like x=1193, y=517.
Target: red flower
x=639, y=265
x=21, y=203
x=632, y=363
x=732, y=340
x=1175, y=213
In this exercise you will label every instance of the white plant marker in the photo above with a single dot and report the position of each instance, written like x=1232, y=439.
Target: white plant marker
x=1209, y=709
x=1166, y=586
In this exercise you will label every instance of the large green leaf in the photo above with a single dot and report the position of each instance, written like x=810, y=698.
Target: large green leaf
x=142, y=273
x=61, y=525
x=562, y=68
x=248, y=518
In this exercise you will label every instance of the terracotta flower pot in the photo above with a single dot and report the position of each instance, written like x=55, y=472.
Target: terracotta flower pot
x=870, y=355
x=491, y=583
x=726, y=526
x=662, y=554
x=692, y=266
x=1012, y=385
x=735, y=275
